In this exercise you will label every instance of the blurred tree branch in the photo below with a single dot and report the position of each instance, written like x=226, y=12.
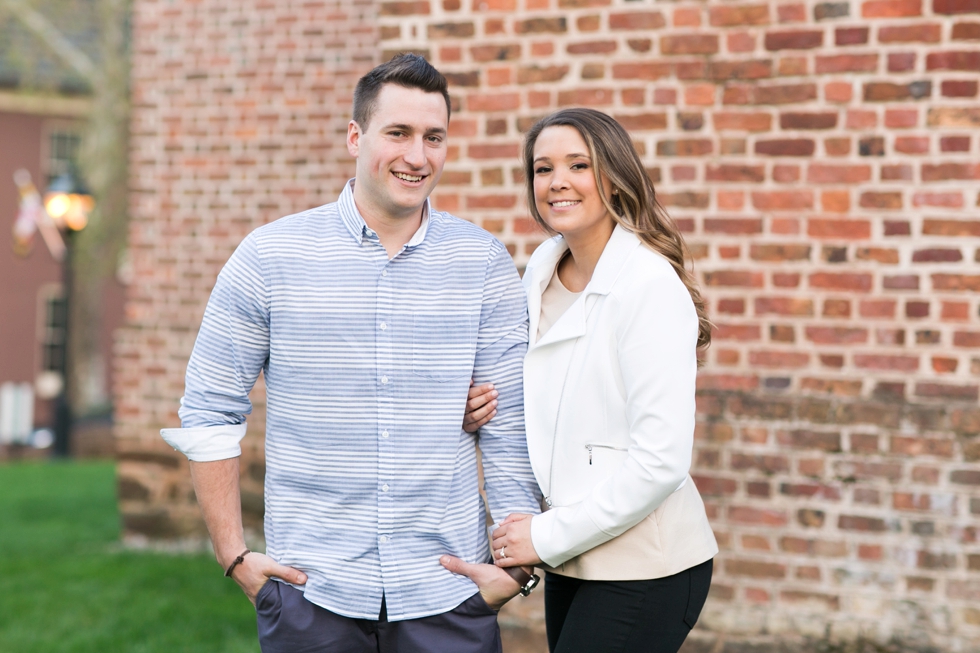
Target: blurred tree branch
x=52, y=37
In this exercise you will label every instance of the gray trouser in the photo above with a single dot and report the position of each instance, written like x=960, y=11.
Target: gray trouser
x=288, y=623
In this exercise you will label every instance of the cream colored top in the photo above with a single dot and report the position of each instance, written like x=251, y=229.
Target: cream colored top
x=555, y=300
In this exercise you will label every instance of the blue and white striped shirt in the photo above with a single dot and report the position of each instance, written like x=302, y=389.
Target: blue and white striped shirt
x=367, y=362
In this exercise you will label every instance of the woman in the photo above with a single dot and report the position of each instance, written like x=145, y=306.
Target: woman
x=615, y=324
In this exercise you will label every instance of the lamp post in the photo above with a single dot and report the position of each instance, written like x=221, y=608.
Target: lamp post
x=68, y=203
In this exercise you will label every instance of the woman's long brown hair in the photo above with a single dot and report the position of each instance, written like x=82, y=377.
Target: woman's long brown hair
x=634, y=205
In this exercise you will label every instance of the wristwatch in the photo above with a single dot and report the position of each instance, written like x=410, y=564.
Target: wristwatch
x=527, y=581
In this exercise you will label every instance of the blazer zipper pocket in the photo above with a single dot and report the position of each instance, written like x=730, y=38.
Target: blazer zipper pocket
x=603, y=446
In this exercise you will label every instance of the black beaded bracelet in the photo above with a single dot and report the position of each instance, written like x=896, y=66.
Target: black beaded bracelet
x=239, y=560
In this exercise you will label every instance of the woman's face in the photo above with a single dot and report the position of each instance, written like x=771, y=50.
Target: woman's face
x=565, y=191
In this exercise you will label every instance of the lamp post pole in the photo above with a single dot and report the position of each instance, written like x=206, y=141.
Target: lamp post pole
x=68, y=203
x=62, y=405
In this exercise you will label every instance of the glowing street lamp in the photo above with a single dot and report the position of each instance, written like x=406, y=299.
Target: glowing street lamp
x=68, y=203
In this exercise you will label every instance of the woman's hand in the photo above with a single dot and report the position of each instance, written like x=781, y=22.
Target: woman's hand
x=495, y=585
x=512, y=545
x=481, y=406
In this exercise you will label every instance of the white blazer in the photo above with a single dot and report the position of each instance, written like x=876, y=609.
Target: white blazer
x=609, y=410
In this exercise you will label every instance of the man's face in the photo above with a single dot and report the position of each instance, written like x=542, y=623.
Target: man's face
x=401, y=153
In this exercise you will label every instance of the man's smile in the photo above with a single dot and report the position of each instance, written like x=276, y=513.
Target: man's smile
x=410, y=178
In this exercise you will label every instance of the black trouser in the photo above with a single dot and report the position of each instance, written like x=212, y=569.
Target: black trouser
x=627, y=616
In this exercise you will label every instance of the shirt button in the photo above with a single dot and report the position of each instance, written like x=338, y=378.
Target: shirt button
x=384, y=488
x=384, y=380
x=384, y=539
x=384, y=273
x=383, y=326
x=384, y=434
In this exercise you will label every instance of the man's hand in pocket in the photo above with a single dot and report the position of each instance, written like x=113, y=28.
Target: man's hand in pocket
x=256, y=569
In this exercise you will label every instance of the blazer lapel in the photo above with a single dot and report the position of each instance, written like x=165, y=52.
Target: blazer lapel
x=571, y=324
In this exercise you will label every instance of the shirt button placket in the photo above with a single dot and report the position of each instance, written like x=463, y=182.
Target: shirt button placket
x=385, y=359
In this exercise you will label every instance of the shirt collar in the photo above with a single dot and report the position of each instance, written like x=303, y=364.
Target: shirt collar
x=358, y=228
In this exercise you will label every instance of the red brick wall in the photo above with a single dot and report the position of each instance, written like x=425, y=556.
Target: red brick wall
x=821, y=158
x=240, y=111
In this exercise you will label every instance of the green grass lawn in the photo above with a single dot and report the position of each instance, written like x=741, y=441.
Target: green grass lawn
x=65, y=585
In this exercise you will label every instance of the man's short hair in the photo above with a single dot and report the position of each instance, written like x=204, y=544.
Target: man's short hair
x=408, y=70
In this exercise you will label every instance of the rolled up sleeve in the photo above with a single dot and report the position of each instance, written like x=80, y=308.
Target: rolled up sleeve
x=232, y=348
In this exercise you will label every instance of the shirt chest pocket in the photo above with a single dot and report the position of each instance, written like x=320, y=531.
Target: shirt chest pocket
x=443, y=345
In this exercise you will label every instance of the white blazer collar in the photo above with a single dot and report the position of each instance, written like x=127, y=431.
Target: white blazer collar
x=572, y=323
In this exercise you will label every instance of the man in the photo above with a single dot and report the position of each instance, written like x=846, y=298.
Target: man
x=369, y=317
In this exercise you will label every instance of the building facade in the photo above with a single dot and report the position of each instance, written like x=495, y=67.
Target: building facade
x=821, y=159
x=31, y=131
x=45, y=107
